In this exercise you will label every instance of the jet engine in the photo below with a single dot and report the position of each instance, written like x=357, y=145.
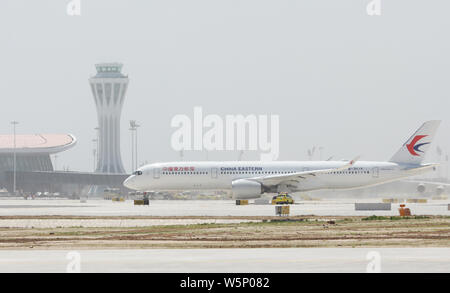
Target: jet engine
x=246, y=189
x=421, y=188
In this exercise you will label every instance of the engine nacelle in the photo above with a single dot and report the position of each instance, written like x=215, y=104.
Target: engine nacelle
x=440, y=190
x=421, y=188
x=246, y=189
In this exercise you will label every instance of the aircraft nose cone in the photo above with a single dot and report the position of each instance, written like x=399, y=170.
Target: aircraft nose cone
x=129, y=183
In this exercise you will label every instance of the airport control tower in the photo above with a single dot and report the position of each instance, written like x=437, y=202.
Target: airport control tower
x=109, y=86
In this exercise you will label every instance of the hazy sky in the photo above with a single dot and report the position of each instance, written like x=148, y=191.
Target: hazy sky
x=338, y=78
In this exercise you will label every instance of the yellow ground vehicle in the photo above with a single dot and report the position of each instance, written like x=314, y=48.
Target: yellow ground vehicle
x=282, y=198
x=110, y=193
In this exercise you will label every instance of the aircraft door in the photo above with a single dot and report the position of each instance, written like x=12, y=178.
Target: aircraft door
x=375, y=172
x=214, y=173
x=156, y=173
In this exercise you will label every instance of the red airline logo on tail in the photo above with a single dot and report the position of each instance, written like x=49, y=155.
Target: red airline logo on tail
x=413, y=148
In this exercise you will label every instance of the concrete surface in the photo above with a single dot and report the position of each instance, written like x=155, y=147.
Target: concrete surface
x=64, y=223
x=230, y=260
x=344, y=207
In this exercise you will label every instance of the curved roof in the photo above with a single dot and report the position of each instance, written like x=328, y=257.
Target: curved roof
x=36, y=143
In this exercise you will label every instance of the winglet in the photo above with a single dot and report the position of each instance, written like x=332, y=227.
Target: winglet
x=349, y=164
x=352, y=162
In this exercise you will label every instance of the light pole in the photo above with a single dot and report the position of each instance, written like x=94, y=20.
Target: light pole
x=14, y=123
x=241, y=153
x=95, y=155
x=97, y=139
x=132, y=122
x=136, y=145
x=445, y=155
x=320, y=152
x=56, y=162
x=134, y=149
x=95, y=150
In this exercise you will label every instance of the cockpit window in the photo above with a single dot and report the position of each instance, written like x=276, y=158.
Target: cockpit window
x=137, y=172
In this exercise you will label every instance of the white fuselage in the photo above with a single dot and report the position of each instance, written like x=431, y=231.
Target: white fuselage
x=180, y=176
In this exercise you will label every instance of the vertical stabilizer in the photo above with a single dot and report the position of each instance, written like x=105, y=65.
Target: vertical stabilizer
x=415, y=148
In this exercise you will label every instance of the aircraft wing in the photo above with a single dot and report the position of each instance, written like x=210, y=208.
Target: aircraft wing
x=271, y=180
x=426, y=182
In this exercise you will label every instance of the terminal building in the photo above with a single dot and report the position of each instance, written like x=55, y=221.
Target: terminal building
x=32, y=153
x=35, y=171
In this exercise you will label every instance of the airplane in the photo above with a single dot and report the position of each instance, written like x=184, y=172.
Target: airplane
x=248, y=180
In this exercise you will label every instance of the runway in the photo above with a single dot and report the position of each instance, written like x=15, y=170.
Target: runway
x=357, y=260
x=43, y=240
x=342, y=207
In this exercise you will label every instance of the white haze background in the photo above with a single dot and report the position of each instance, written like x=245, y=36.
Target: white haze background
x=338, y=78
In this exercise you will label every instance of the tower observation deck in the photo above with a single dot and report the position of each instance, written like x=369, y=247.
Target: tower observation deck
x=108, y=87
